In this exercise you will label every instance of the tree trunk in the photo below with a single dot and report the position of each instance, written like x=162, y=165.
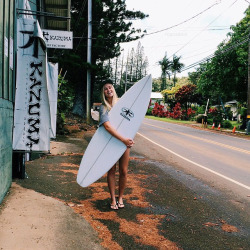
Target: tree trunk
x=79, y=107
x=174, y=78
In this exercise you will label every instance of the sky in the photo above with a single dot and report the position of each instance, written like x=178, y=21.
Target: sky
x=196, y=38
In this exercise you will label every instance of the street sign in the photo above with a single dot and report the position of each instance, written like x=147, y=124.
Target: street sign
x=58, y=39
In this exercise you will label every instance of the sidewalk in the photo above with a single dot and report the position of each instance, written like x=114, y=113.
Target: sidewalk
x=31, y=220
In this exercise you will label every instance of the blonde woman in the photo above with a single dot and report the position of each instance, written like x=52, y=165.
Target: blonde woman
x=109, y=99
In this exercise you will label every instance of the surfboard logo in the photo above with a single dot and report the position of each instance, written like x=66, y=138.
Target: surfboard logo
x=127, y=113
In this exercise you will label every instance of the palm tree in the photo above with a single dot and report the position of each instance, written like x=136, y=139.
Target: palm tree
x=176, y=66
x=165, y=70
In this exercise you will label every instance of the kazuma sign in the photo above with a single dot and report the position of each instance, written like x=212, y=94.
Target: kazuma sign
x=32, y=111
x=58, y=39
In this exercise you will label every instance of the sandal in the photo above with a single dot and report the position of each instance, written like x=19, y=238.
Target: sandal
x=114, y=207
x=120, y=205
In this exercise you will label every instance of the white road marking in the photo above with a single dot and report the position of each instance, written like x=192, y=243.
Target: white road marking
x=202, y=139
x=196, y=164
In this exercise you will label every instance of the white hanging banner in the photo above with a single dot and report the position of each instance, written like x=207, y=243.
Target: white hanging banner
x=52, y=74
x=32, y=112
x=26, y=7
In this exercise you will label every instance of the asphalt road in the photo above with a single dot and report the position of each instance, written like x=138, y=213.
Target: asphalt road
x=219, y=160
x=166, y=208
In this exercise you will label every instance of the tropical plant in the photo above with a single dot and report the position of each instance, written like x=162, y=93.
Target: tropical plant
x=187, y=114
x=159, y=110
x=176, y=66
x=176, y=112
x=166, y=65
x=156, y=84
x=186, y=94
x=194, y=77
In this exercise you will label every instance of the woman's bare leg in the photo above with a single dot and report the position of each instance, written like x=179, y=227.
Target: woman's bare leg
x=111, y=184
x=123, y=171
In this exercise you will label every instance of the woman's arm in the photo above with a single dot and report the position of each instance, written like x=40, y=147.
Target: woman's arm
x=127, y=141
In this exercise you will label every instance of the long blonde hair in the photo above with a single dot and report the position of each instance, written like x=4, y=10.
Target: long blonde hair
x=105, y=102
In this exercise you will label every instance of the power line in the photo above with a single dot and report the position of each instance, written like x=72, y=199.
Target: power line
x=176, y=44
x=77, y=23
x=181, y=22
x=217, y=54
x=196, y=54
x=81, y=38
x=80, y=15
x=213, y=55
x=202, y=29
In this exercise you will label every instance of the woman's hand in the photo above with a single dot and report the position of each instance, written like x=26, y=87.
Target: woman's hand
x=128, y=142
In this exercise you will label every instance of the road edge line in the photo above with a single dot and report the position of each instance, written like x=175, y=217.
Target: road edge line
x=198, y=165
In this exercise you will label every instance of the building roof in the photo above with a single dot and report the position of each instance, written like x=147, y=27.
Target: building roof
x=231, y=102
x=156, y=95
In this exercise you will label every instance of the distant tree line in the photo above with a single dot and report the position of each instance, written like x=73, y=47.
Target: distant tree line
x=125, y=70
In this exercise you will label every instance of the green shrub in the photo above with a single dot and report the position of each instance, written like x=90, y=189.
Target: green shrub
x=149, y=111
x=199, y=118
x=201, y=109
x=210, y=121
x=227, y=124
x=229, y=114
x=216, y=114
x=243, y=112
x=65, y=96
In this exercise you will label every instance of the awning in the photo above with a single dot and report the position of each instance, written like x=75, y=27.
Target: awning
x=61, y=8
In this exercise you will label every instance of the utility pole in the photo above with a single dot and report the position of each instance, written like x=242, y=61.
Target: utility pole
x=88, y=106
x=126, y=75
x=121, y=69
x=116, y=64
x=248, y=92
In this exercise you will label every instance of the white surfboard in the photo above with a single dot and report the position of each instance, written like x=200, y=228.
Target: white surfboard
x=126, y=116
